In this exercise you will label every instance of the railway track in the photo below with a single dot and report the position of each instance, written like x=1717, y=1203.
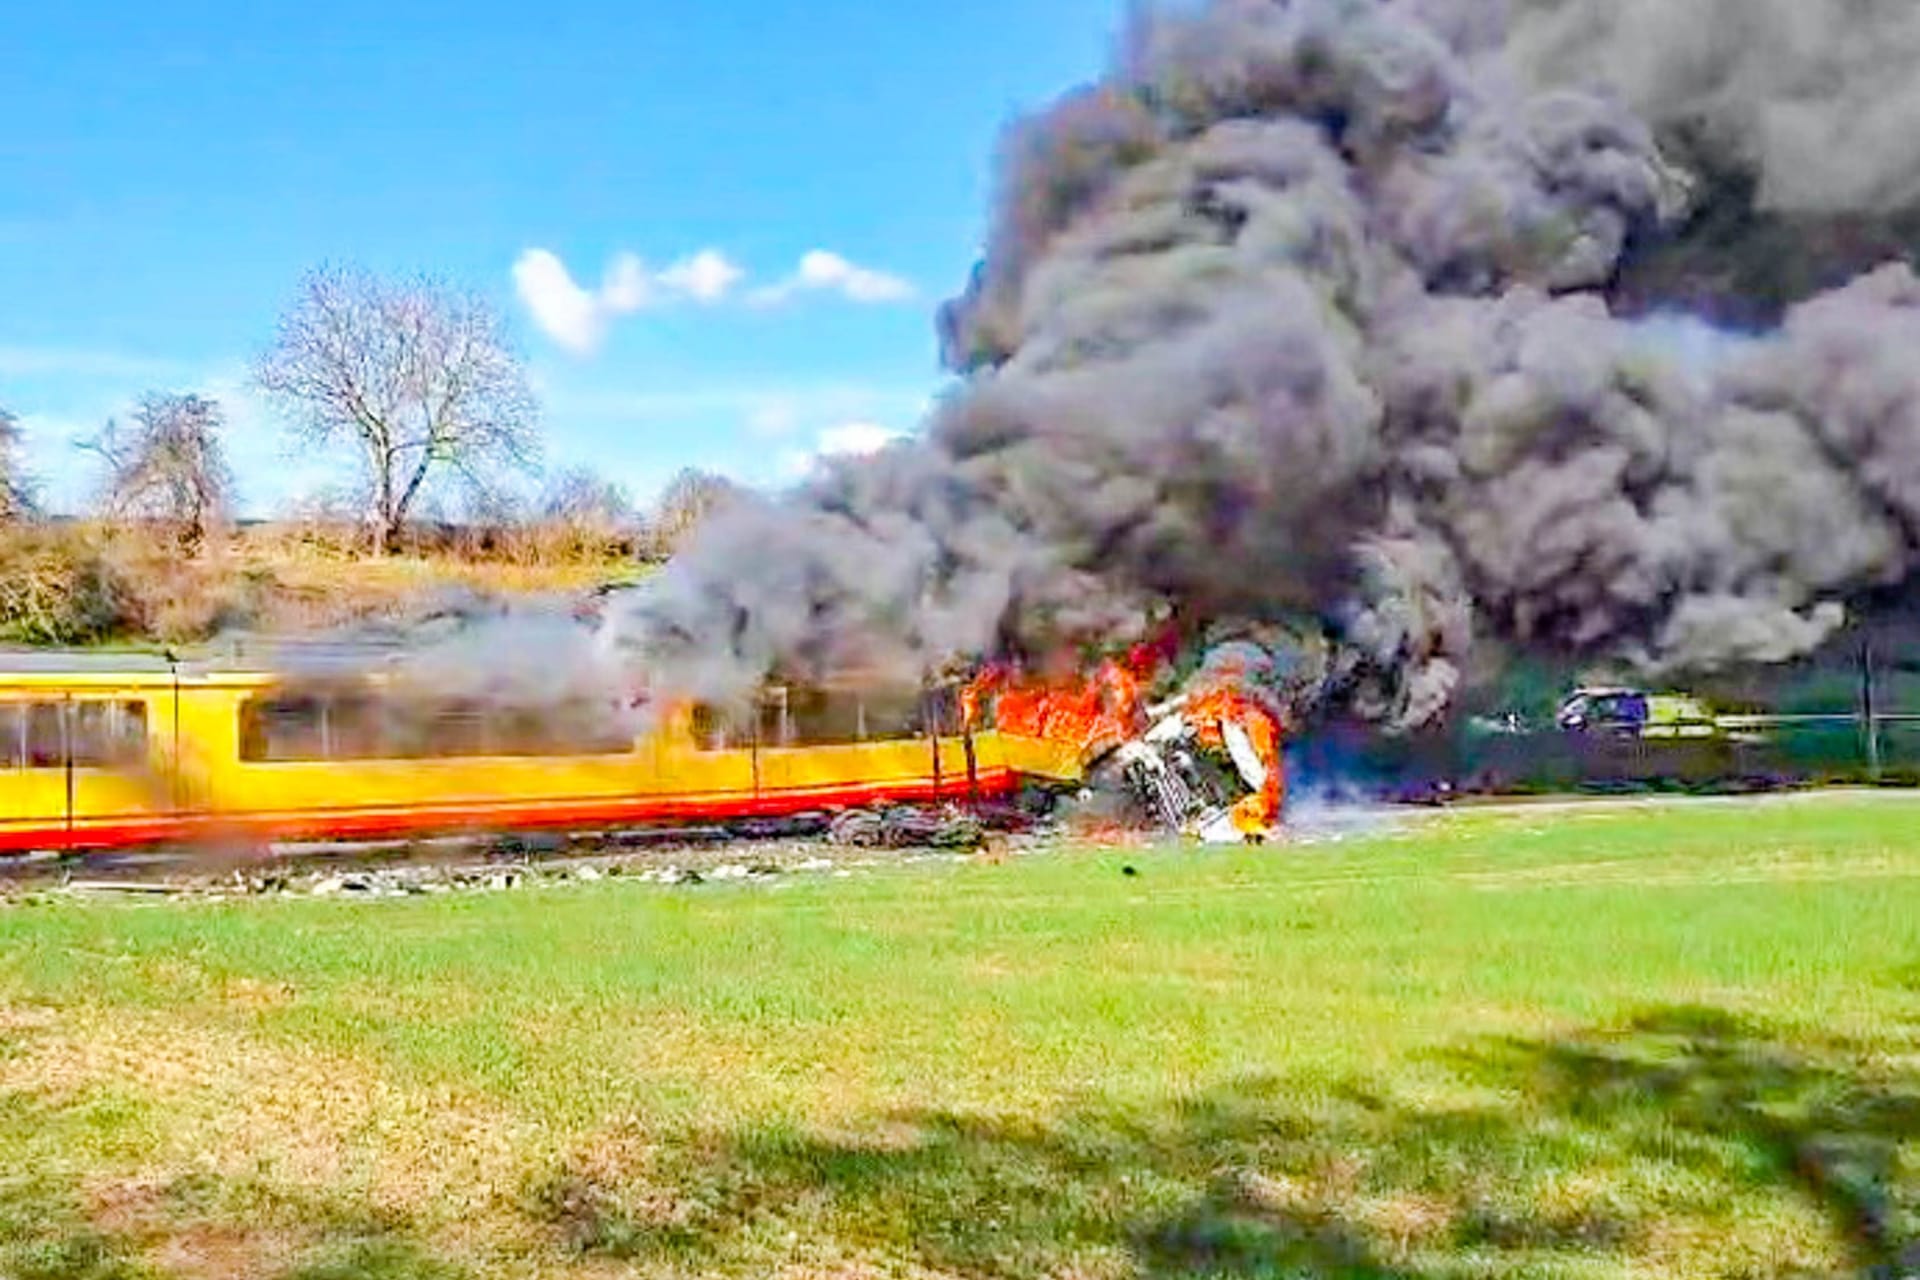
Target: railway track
x=735, y=851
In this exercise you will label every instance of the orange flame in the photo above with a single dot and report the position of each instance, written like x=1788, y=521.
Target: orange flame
x=1210, y=711
x=1094, y=715
x=1097, y=714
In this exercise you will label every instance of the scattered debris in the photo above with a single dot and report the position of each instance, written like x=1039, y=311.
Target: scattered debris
x=908, y=827
x=773, y=851
x=852, y=844
x=124, y=886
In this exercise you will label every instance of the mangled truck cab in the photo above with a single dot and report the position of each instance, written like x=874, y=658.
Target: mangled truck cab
x=1205, y=764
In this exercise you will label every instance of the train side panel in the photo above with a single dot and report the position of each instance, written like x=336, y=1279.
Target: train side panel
x=256, y=792
x=85, y=763
x=33, y=775
x=855, y=774
x=1044, y=759
x=123, y=793
x=109, y=760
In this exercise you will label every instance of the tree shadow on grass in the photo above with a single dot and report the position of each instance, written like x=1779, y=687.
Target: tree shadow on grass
x=49, y=1230
x=1598, y=1149
x=1835, y=1122
x=65, y=1216
x=1683, y=1118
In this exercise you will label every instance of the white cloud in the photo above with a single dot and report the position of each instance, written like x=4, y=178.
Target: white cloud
x=773, y=418
x=568, y=314
x=855, y=439
x=821, y=271
x=843, y=440
x=626, y=288
x=708, y=276
x=577, y=318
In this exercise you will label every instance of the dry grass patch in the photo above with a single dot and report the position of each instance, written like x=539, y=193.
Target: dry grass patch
x=158, y=1220
x=294, y=1144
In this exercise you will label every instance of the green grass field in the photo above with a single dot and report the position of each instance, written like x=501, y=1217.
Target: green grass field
x=1586, y=1042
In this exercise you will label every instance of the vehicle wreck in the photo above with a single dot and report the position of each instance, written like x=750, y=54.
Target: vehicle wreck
x=1206, y=763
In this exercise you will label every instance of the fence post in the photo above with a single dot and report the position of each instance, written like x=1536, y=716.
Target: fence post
x=1869, y=717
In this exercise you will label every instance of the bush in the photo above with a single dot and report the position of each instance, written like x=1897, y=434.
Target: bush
x=78, y=585
x=57, y=587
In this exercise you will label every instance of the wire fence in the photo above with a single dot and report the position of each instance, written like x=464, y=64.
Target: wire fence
x=1738, y=753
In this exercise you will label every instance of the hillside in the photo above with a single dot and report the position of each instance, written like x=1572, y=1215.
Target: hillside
x=78, y=583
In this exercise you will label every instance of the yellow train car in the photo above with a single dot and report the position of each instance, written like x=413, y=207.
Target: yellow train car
x=100, y=753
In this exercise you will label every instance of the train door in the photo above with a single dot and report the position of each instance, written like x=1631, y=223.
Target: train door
x=35, y=807
x=956, y=764
x=119, y=783
x=703, y=759
x=849, y=744
x=77, y=771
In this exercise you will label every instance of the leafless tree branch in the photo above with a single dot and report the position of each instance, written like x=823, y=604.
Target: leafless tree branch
x=169, y=466
x=420, y=378
x=16, y=493
x=689, y=499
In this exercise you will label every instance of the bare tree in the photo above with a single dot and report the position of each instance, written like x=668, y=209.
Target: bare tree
x=169, y=466
x=689, y=498
x=419, y=378
x=587, y=512
x=16, y=493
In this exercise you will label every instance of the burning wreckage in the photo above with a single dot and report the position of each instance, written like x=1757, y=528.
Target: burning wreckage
x=1406, y=334
x=1206, y=763
x=504, y=726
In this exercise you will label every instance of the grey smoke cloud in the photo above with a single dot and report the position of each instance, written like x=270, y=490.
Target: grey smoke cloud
x=1817, y=98
x=1363, y=312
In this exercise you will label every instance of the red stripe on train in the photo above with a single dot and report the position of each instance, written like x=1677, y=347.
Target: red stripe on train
x=420, y=820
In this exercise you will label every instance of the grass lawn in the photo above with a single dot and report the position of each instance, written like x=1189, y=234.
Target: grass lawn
x=1587, y=1042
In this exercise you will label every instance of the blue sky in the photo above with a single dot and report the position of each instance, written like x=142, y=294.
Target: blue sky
x=731, y=221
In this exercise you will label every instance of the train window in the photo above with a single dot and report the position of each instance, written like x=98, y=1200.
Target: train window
x=357, y=727
x=716, y=729
x=405, y=733
x=797, y=716
x=354, y=728
x=458, y=729
x=801, y=717
x=523, y=732
x=611, y=733
x=943, y=712
x=46, y=736
x=895, y=713
x=283, y=729
x=776, y=718
x=588, y=730
x=31, y=736
x=821, y=719
x=573, y=728
x=38, y=735
x=105, y=734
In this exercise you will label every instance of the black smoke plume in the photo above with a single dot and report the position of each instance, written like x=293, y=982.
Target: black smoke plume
x=1390, y=319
